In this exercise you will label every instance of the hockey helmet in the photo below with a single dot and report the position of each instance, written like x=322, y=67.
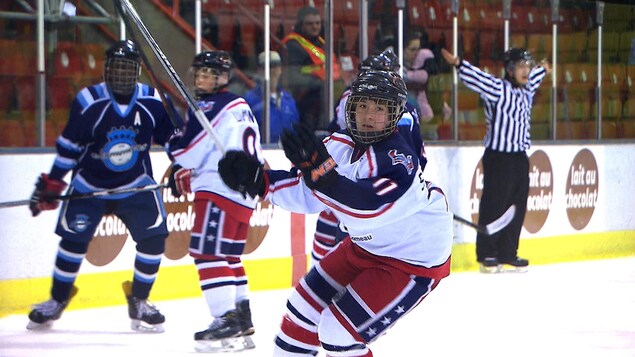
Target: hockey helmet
x=122, y=67
x=513, y=57
x=384, y=88
x=385, y=61
x=217, y=63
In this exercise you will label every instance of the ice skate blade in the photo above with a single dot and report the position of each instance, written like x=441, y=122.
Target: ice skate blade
x=232, y=344
x=140, y=326
x=248, y=343
x=490, y=270
x=512, y=269
x=34, y=326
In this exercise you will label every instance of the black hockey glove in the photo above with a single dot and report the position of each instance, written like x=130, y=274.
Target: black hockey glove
x=310, y=156
x=242, y=173
x=45, y=195
x=179, y=181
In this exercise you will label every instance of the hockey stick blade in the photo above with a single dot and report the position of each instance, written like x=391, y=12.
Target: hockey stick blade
x=89, y=194
x=126, y=8
x=491, y=228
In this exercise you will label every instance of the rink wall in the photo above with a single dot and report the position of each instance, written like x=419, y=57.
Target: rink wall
x=580, y=207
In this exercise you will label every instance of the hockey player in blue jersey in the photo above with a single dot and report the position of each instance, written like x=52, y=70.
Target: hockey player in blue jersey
x=106, y=145
x=222, y=215
x=399, y=224
x=327, y=231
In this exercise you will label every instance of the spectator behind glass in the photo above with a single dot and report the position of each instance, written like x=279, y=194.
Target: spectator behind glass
x=283, y=110
x=306, y=72
x=423, y=67
x=418, y=66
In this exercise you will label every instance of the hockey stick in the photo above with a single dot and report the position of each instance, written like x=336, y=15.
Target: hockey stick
x=114, y=191
x=122, y=5
x=494, y=227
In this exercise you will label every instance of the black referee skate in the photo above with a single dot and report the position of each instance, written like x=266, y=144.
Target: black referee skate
x=145, y=317
x=246, y=325
x=223, y=335
x=517, y=265
x=489, y=266
x=44, y=314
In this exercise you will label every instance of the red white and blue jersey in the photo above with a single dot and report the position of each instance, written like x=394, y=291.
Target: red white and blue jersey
x=231, y=117
x=107, y=144
x=380, y=196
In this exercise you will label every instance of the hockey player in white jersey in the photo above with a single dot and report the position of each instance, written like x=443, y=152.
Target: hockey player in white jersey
x=222, y=215
x=399, y=225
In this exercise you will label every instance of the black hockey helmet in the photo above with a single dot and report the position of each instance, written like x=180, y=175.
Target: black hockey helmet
x=385, y=88
x=122, y=67
x=514, y=56
x=218, y=63
x=384, y=61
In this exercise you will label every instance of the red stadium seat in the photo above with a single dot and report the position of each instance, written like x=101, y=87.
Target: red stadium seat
x=11, y=133
x=68, y=60
x=30, y=131
x=7, y=93
x=26, y=93
x=93, y=60
x=61, y=92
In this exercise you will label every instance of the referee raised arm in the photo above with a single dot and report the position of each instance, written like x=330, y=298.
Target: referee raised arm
x=507, y=104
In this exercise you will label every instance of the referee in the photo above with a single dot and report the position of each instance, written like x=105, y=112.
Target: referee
x=505, y=163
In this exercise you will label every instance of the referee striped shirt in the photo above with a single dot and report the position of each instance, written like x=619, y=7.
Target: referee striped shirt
x=507, y=108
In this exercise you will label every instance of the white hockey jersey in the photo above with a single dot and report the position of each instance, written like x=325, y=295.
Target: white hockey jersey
x=231, y=117
x=380, y=197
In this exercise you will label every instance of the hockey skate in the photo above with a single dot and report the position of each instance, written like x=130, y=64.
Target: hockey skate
x=223, y=335
x=44, y=314
x=518, y=265
x=145, y=317
x=489, y=266
x=246, y=325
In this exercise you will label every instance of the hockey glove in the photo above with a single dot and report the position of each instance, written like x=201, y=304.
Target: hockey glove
x=179, y=181
x=242, y=173
x=46, y=193
x=310, y=156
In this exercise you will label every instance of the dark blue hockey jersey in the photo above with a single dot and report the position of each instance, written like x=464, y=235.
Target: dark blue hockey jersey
x=107, y=144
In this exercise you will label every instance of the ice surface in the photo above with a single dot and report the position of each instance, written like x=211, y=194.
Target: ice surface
x=570, y=309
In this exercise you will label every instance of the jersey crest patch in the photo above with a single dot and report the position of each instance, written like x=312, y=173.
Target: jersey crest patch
x=80, y=223
x=206, y=106
x=399, y=158
x=121, y=151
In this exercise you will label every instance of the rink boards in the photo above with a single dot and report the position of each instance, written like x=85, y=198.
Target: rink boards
x=580, y=207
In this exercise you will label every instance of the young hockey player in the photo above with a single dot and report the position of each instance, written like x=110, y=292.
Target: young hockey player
x=222, y=215
x=327, y=231
x=106, y=144
x=399, y=224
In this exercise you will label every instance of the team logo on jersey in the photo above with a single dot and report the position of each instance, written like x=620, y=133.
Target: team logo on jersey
x=206, y=106
x=80, y=223
x=399, y=158
x=121, y=151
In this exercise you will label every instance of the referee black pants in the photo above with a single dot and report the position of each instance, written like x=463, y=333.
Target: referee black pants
x=505, y=182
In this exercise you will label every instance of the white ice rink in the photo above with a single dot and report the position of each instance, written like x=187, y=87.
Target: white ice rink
x=573, y=309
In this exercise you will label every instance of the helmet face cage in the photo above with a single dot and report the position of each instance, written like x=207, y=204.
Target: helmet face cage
x=121, y=75
x=216, y=63
x=122, y=67
x=368, y=137
x=384, y=88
